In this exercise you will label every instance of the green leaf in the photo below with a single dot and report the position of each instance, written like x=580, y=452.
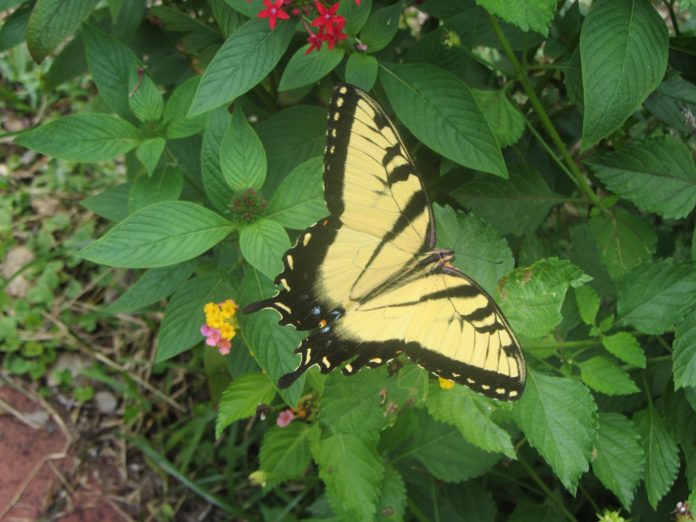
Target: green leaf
x=658, y=176
x=249, y=8
x=86, y=137
x=183, y=317
x=532, y=297
x=149, y=153
x=602, y=374
x=52, y=21
x=111, y=64
x=161, y=234
x=262, y=244
x=624, y=241
x=111, y=204
x=588, y=303
x=536, y=15
x=305, y=69
x=242, y=157
x=661, y=454
x=243, y=61
x=355, y=15
x=623, y=50
x=154, y=285
x=504, y=119
x=559, y=418
x=381, y=27
x=290, y=137
x=480, y=252
x=626, y=347
x=618, y=458
x=216, y=187
x=515, y=206
x=241, y=399
x=392, y=501
x=144, y=98
x=667, y=102
x=470, y=413
x=684, y=355
x=285, y=452
x=164, y=185
x=299, y=200
x=361, y=70
x=352, y=470
x=654, y=296
x=176, y=109
x=441, y=111
x=14, y=27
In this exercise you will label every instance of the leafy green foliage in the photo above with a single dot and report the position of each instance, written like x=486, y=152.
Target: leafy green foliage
x=604, y=375
x=241, y=399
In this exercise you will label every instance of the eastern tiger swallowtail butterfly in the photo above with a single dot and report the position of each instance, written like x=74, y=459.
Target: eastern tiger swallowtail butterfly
x=367, y=280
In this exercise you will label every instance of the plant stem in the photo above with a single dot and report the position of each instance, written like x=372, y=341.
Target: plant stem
x=550, y=494
x=575, y=172
x=672, y=16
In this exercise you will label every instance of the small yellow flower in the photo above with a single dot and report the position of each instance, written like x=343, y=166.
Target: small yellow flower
x=214, y=321
x=229, y=308
x=227, y=331
x=445, y=384
x=210, y=308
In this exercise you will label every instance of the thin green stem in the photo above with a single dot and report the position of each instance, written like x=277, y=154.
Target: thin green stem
x=550, y=152
x=575, y=172
x=416, y=512
x=672, y=16
x=549, y=493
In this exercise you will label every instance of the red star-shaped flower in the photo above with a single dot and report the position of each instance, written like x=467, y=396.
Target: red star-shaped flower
x=273, y=11
x=328, y=19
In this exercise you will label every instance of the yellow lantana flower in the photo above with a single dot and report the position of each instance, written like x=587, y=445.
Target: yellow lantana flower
x=445, y=384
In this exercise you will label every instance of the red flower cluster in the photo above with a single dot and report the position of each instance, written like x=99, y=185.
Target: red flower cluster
x=273, y=11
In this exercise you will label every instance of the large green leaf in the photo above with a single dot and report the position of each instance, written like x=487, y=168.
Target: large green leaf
x=299, y=200
x=161, y=234
x=285, y=452
x=381, y=27
x=623, y=49
x=530, y=14
x=305, y=69
x=531, y=297
x=262, y=244
x=392, y=501
x=504, y=119
x=242, y=157
x=441, y=111
x=244, y=60
x=216, y=188
x=353, y=471
x=670, y=99
x=355, y=15
x=604, y=375
x=661, y=454
x=242, y=398
x=618, y=458
x=361, y=70
x=625, y=346
x=164, y=185
x=112, y=204
x=86, y=137
x=559, y=419
x=52, y=21
x=684, y=356
x=654, y=296
x=14, y=27
x=657, y=175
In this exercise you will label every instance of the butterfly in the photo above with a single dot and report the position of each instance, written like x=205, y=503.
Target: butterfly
x=367, y=281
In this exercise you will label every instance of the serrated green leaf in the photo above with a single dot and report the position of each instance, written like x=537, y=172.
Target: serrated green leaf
x=618, y=458
x=176, y=108
x=481, y=253
x=661, y=454
x=684, y=355
x=242, y=156
x=355, y=15
x=381, y=27
x=161, y=234
x=654, y=296
x=531, y=14
x=111, y=64
x=183, y=317
x=144, y=97
x=670, y=98
x=149, y=153
x=164, y=185
x=602, y=374
x=86, y=137
x=262, y=244
x=216, y=188
x=111, y=204
x=244, y=60
x=506, y=122
x=361, y=70
x=623, y=49
x=470, y=413
x=241, y=399
x=515, y=206
x=588, y=303
x=299, y=200
x=353, y=471
x=532, y=297
x=52, y=21
x=441, y=111
x=626, y=347
x=392, y=500
x=285, y=452
x=559, y=418
x=305, y=69
x=152, y=286
x=657, y=175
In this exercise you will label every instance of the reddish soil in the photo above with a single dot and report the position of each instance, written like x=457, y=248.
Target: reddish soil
x=40, y=475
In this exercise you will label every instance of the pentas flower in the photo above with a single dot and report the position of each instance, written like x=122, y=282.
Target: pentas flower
x=274, y=11
x=220, y=325
x=328, y=20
